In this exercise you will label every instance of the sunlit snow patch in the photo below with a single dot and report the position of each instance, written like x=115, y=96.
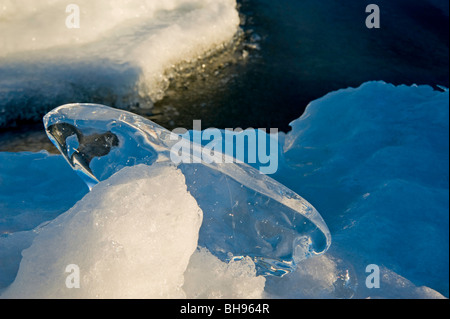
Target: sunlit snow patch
x=123, y=52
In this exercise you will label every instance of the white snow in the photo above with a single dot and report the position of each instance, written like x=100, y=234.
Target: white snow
x=209, y=278
x=122, y=52
x=128, y=237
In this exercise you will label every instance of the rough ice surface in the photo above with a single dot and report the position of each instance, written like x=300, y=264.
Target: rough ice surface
x=29, y=197
x=128, y=238
x=373, y=160
x=234, y=280
x=121, y=54
x=246, y=213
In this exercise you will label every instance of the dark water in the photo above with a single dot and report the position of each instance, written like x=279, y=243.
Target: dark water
x=309, y=48
x=298, y=51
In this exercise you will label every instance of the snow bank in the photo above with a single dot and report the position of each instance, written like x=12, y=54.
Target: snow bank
x=128, y=237
x=121, y=53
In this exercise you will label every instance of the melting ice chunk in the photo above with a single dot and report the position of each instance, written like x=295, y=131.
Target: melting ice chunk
x=246, y=213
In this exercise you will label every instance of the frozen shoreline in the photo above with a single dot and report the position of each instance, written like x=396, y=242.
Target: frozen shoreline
x=122, y=54
x=381, y=184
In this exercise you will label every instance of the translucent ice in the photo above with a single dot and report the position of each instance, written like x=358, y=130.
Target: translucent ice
x=246, y=213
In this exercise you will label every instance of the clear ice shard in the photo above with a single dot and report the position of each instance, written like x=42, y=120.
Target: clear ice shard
x=245, y=212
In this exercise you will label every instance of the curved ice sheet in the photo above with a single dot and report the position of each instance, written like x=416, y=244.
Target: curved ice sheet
x=246, y=213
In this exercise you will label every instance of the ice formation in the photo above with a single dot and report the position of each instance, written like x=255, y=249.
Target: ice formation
x=122, y=52
x=246, y=213
x=379, y=154
x=128, y=238
x=373, y=160
x=120, y=247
